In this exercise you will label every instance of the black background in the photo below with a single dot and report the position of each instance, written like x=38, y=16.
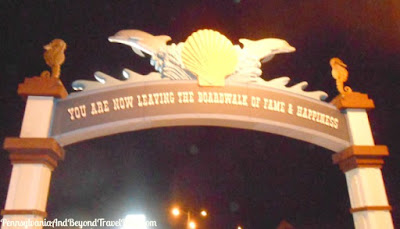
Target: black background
x=241, y=177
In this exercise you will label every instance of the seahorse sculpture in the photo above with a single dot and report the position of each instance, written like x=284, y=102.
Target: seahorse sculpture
x=340, y=73
x=54, y=57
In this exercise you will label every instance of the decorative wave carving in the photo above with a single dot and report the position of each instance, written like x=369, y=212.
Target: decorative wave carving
x=104, y=80
x=281, y=82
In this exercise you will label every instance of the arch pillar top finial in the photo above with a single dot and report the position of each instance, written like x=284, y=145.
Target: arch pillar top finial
x=354, y=100
x=42, y=86
x=48, y=83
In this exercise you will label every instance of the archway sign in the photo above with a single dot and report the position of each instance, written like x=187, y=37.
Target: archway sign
x=205, y=80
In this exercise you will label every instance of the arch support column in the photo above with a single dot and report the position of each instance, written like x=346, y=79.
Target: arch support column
x=33, y=161
x=33, y=155
x=361, y=164
x=362, y=168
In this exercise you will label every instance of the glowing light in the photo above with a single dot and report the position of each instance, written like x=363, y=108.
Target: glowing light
x=135, y=222
x=176, y=211
x=192, y=225
x=203, y=213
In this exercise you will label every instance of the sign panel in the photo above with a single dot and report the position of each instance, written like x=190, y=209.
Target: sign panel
x=129, y=107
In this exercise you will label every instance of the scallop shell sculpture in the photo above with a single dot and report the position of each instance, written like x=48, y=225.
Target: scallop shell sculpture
x=210, y=56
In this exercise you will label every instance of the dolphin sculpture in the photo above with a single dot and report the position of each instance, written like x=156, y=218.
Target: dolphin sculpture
x=265, y=49
x=140, y=42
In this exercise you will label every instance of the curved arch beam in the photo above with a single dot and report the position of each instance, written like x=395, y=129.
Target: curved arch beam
x=98, y=113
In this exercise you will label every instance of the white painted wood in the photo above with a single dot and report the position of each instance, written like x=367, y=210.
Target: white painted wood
x=366, y=188
x=29, y=183
x=29, y=187
x=365, y=185
x=359, y=127
x=37, y=117
x=373, y=220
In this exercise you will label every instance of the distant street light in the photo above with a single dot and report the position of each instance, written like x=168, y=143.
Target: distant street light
x=176, y=211
x=192, y=225
x=203, y=213
x=239, y=227
x=189, y=223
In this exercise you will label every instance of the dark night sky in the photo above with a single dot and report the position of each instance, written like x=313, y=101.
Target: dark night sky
x=252, y=178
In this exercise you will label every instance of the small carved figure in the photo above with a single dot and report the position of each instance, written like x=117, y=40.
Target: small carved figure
x=54, y=57
x=340, y=73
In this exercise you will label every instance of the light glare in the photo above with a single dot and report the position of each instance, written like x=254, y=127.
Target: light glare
x=192, y=225
x=176, y=211
x=135, y=222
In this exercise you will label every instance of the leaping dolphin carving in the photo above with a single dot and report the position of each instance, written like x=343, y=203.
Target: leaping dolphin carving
x=140, y=41
x=265, y=49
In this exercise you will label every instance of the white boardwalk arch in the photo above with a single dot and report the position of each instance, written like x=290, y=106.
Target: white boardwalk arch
x=54, y=119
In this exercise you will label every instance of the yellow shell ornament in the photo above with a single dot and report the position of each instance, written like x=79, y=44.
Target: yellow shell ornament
x=210, y=56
